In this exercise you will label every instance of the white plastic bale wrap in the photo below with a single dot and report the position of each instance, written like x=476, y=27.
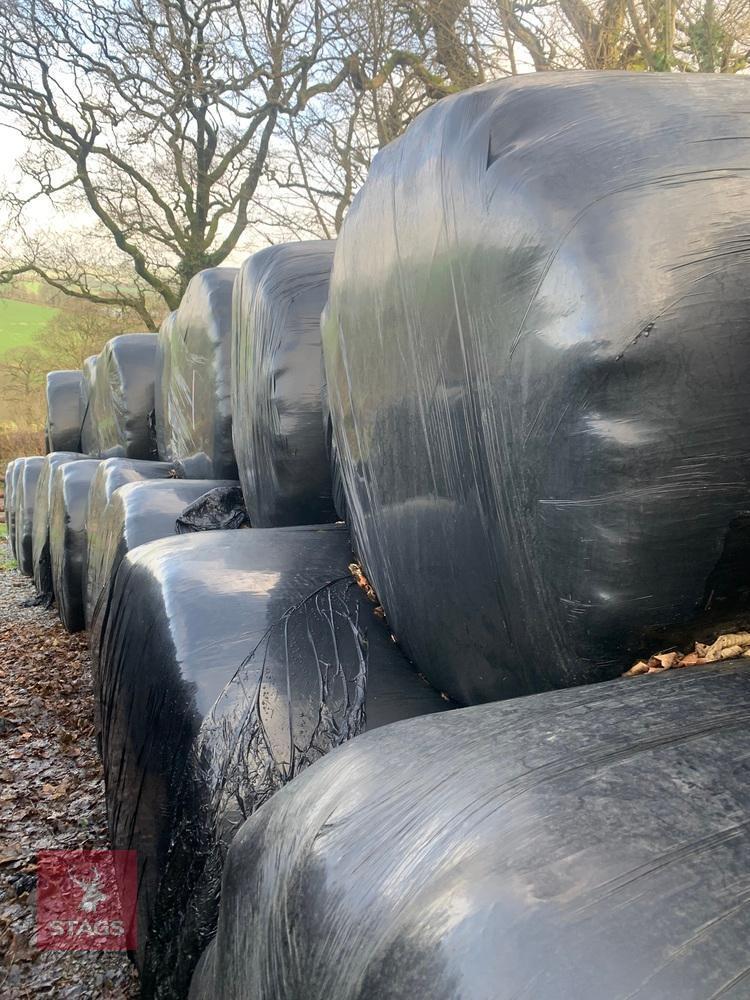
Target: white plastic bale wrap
x=122, y=405
x=279, y=427
x=63, y=394
x=193, y=392
x=89, y=443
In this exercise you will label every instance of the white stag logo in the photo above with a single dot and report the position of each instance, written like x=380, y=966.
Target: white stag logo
x=92, y=891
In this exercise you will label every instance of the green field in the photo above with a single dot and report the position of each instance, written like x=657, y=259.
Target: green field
x=19, y=321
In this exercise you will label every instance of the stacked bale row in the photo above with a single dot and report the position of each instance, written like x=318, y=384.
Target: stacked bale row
x=528, y=401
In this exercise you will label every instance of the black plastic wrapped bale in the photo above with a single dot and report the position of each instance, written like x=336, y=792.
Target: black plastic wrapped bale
x=183, y=615
x=64, y=414
x=521, y=849
x=136, y=513
x=14, y=487
x=8, y=501
x=196, y=343
x=24, y=494
x=89, y=440
x=40, y=555
x=122, y=406
x=109, y=477
x=537, y=366
x=161, y=386
x=68, y=538
x=279, y=436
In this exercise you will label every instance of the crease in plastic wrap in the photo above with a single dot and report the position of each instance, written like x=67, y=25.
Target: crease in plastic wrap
x=279, y=436
x=24, y=496
x=133, y=514
x=161, y=386
x=109, y=477
x=122, y=403
x=64, y=414
x=8, y=503
x=537, y=366
x=527, y=848
x=89, y=444
x=40, y=553
x=194, y=400
x=219, y=509
x=14, y=490
x=68, y=538
x=229, y=661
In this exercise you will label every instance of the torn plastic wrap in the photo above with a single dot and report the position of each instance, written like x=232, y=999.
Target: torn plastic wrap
x=520, y=849
x=134, y=514
x=64, y=414
x=196, y=343
x=110, y=476
x=537, y=358
x=122, y=404
x=89, y=442
x=184, y=614
x=219, y=509
x=68, y=539
x=24, y=493
x=278, y=428
x=8, y=502
x=40, y=554
x=161, y=386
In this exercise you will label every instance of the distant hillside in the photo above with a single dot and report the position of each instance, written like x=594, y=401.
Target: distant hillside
x=20, y=321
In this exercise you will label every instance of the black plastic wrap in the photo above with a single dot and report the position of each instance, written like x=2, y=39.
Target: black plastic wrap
x=278, y=427
x=110, y=476
x=89, y=442
x=24, y=496
x=219, y=509
x=537, y=358
x=184, y=614
x=64, y=413
x=161, y=386
x=68, y=538
x=8, y=502
x=136, y=513
x=579, y=844
x=194, y=405
x=14, y=487
x=40, y=554
x=121, y=407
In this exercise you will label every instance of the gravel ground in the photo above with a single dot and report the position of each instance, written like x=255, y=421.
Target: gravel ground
x=51, y=793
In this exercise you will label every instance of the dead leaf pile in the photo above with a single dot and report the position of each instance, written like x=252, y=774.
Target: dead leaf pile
x=364, y=584
x=730, y=646
x=51, y=795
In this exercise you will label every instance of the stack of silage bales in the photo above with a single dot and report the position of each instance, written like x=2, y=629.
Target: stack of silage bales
x=531, y=413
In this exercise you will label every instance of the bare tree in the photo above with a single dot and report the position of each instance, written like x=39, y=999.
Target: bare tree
x=155, y=117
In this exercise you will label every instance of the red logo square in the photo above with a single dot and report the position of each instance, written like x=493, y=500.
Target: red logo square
x=86, y=900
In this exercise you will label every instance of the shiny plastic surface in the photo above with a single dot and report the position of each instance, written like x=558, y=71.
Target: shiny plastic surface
x=67, y=538
x=278, y=431
x=185, y=615
x=14, y=487
x=64, y=413
x=574, y=845
x=194, y=398
x=537, y=358
x=8, y=502
x=24, y=496
x=134, y=514
x=122, y=404
x=89, y=443
x=220, y=509
x=161, y=385
x=40, y=555
x=109, y=477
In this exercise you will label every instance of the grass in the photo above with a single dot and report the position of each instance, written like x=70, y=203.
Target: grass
x=20, y=321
